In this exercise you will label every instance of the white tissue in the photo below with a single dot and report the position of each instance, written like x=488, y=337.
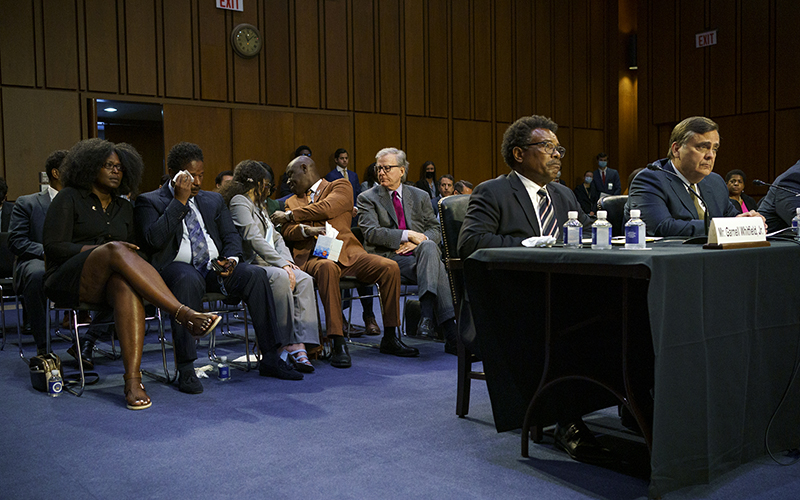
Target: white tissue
x=539, y=241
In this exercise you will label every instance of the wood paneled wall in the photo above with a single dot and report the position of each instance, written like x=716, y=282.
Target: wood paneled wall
x=438, y=78
x=747, y=82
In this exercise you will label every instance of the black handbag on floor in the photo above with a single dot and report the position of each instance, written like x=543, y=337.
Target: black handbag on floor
x=41, y=366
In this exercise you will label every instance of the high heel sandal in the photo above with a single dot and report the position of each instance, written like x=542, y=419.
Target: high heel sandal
x=129, y=392
x=197, y=329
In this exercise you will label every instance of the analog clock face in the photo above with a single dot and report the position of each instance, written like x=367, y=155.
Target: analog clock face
x=246, y=40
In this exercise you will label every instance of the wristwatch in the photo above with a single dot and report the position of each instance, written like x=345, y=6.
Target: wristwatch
x=289, y=216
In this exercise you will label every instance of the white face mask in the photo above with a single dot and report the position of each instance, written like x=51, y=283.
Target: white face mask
x=558, y=174
x=588, y=180
x=602, y=164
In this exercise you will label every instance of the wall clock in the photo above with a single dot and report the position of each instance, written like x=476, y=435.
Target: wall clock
x=246, y=40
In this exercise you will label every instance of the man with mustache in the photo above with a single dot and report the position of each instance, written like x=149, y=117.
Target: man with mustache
x=668, y=209
x=504, y=211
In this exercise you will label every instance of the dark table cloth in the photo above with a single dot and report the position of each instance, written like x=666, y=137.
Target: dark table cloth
x=725, y=330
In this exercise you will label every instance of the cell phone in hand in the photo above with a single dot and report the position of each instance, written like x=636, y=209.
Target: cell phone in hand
x=217, y=267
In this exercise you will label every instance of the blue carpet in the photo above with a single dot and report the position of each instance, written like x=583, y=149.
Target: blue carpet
x=385, y=428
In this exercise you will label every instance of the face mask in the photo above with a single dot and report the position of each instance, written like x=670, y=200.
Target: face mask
x=588, y=180
x=602, y=164
x=558, y=174
x=429, y=175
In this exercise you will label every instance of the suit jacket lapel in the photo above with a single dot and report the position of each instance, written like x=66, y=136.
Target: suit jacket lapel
x=388, y=205
x=680, y=191
x=44, y=201
x=525, y=201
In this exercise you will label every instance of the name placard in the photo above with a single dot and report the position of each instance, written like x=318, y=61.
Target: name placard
x=725, y=230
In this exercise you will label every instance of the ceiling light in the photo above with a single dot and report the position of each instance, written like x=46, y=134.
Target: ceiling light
x=110, y=110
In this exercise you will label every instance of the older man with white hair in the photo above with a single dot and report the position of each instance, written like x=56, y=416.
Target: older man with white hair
x=398, y=223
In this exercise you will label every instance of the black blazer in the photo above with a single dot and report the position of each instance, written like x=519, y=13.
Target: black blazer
x=501, y=214
x=27, y=226
x=8, y=207
x=159, y=224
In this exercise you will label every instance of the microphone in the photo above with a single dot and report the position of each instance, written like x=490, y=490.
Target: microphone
x=706, y=218
x=762, y=183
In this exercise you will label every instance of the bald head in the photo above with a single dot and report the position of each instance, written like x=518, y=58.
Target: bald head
x=301, y=174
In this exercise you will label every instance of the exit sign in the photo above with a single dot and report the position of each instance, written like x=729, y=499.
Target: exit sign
x=705, y=39
x=231, y=5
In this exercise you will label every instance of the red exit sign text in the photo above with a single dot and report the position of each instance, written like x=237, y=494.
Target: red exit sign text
x=705, y=39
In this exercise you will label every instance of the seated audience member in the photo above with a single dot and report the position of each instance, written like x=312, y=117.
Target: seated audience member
x=284, y=191
x=558, y=178
x=223, y=178
x=25, y=242
x=586, y=193
x=370, y=178
x=271, y=204
x=502, y=212
x=398, y=223
x=193, y=243
x=779, y=207
x=427, y=179
x=317, y=201
x=292, y=289
x=6, y=206
x=736, y=179
x=90, y=256
x=463, y=187
x=631, y=177
x=668, y=209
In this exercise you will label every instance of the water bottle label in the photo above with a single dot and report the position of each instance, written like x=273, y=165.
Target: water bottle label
x=573, y=235
x=632, y=235
x=594, y=236
x=608, y=233
x=224, y=372
x=54, y=385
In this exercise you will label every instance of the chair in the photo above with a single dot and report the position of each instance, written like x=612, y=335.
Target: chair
x=75, y=328
x=615, y=206
x=225, y=305
x=452, y=210
x=7, y=290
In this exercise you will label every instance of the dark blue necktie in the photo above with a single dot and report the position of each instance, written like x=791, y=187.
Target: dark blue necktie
x=200, y=256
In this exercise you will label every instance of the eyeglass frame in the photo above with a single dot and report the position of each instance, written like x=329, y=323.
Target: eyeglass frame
x=561, y=149
x=385, y=168
x=110, y=167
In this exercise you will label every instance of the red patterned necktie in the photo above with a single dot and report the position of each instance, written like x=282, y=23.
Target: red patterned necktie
x=398, y=209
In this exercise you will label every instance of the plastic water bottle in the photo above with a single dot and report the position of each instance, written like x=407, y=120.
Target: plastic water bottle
x=635, y=232
x=54, y=384
x=601, y=232
x=223, y=370
x=796, y=225
x=573, y=231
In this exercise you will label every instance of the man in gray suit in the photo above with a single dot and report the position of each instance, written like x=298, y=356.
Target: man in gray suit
x=25, y=242
x=398, y=223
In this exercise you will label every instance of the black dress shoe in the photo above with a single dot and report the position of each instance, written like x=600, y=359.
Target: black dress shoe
x=188, y=382
x=281, y=369
x=87, y=349
x=340, y=358
x=392, y=345
x=426, y=328
x=580, y=444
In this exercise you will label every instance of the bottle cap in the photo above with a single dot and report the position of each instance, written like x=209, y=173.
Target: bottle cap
x=572, y=214
x=798, y=211
x=635, y=214
x=602, y=214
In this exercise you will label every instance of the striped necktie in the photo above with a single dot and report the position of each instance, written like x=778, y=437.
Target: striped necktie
x=197, y=239
x=547, y=216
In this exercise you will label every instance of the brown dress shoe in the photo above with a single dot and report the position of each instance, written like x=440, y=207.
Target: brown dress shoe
x=371, y=326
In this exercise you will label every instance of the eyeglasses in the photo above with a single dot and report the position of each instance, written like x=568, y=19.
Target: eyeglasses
x=111, y=166
x=549, y=148
x=384, y=168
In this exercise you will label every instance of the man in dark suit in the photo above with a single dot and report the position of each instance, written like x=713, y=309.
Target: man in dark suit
x=606, y=180
x=5, y=206
x=186, y=231
x=779, y=207
x=340, y=171
x=398, y=223
x=668, y=209
x=25, y=242
x=316, y=202
x=505, y=211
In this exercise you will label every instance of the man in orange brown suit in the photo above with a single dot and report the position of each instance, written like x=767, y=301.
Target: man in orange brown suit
x=315, y=202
